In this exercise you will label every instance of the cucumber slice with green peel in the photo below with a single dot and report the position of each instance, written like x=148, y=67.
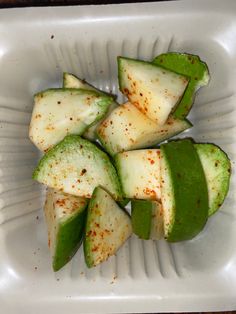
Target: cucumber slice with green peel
x=184, y=193
x=217, y=169
x=127, y=128
x=59, y=112
x=139, y=173
x=107, y=228
x=147, y=219
x=77, y=166
x=189, y=65
x=65, y=217
x=91, y=132
x=71, y=81
x=152, y=89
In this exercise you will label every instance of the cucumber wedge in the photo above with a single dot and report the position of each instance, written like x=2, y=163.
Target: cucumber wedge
x=127, y=128
x=189, y=65
x=65, y=217
x=152, y=89
x=59, y=112
x=217, y=169
x=108, y=226
x=71, y=81
x=184, y=192
x=77, y=166
x=139, y=173
x=147, y=219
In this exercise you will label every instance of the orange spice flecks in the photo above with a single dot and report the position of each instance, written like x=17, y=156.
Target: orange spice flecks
x=149, y=192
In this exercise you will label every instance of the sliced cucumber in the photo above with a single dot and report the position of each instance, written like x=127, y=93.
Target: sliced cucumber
x=147, y=219
x=76, y=166
x=217, y=168
x=153, y=89
x=65, y=217
x=59, y=112
x=71, y=81
x=157, y=226
x=139, y=173
x=184, y=193
x=189, y=65
x=107, y=228
x=127, y=128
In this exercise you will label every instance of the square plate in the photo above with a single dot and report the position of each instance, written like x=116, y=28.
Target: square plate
x=36, y=46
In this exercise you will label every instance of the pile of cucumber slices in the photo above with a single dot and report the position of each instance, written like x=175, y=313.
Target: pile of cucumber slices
x=100, y=155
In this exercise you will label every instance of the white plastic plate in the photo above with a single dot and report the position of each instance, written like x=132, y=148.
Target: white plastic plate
x=36, y=46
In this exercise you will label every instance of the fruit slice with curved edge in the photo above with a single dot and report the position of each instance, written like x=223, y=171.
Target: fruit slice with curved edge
x=147, y=219
x=71, y=81
x=59, y=112
x=107, y=228
x=184, y=193
x=127, y=128
x=189, y=65
x=77, y=166
x=65, y=217
x=152, y=89
x=139, y=173
x=217, y=169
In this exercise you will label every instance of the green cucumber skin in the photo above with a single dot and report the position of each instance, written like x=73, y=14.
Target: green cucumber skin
x=141, y=218
x=69, y=241
x=116, y=161
x=189, y=65
x=64, y=146
x=190, y=190
x=88, y=244
x=104, y=145
x=215, y=162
